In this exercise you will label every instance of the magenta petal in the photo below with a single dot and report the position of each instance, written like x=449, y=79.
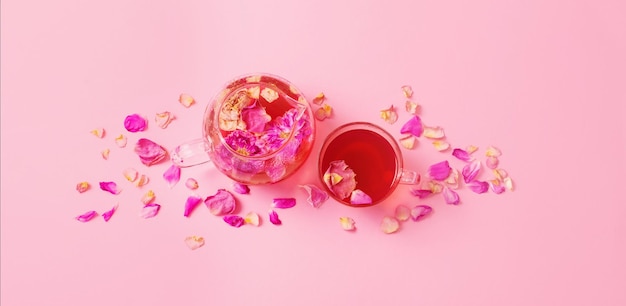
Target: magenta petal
x=223, y=202
x=110, y=187
x=440, y=171
x=274, y=218
x=284, y=203
x=413, y=126
x=149, y=152
x=420, y=211
x=191, y=203
x=234, y=220
x=150, y=210
x=87, y=216
x=421, y=193
x=470, y=171
x=135, y=123
x=255, y=118
x=478, y=186
x=317, y=196
x=172, y=175
x=340, y=179
x=461, y=154
x=450, y=196
x=360, y=197
x=241, y=188
x=497, y=188
x=108, y=214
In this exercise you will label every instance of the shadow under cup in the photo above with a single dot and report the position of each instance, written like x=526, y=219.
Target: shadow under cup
x=371, y=152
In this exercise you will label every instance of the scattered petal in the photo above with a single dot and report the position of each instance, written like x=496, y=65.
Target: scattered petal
x=403, y=212
x=407, y=90
x=172, y=175
x=470, y=171
x=164, y=119
x=389, y=115
x=87, y=216
x=450, y=196
x=149, y=152
x=453, y=179
x=241, y=188
x=359, y=197
x=142, y=181
x=421, y=193
x=471, y=149
x=493, y=151
x=496, y=186
x=234, y=220
x=462, y=155
x=99, y=132
x=478, y=186
x=347, y=223
x=441, y=145
x=340, y=179
x=440, y=171
x=274, y=218
x=323, y=112
x=508, y=183
x=389, y=225
x=82, y=187
x=110, y=187
x=148, y=197
x=135, y=123
x=411, y=107
x=221, y=203
x=284, y=203
x=492, y=162
x=150, y=210
x=434, y=132
x=252, y=218
x=319, y=99
x=105, y=153
x=186, y=100
x=269, y=94
x=420, y=211
x=194, y=242
x=254, y=92
x=408, y=141
x=191, y=183
x=108, y=214
x=500, y=174
x=316, y=197
x=121, y=141
x=413, y=126
x=191, y=204
x=255, y=117
x=435, y=187
x=131, y=174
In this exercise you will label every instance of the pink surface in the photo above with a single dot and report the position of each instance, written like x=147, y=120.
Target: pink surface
x=542, y=80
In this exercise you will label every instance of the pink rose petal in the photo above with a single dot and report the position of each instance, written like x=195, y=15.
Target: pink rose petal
x=389, y=115
x=316, y=197
x=255, y=117
x=110, y=187
x=274, y=218
x=470, y=171
x=105, y=153
x=389, y=225
x=496, y=186
x=508, y=183
x=411, y=107
x=462, y=155
x=82, y=187
x=434, y=186
x=191, y=204
x=135, y=123
x=492, y=162
x=252, y=218
x=148, y=197
x=186, y=100
x=150, y=210
x=191, y=183
x=284, y=203
x=149, y=152
x=439, y=171
x=269, y=94
x=471, y=149
x=164, y=119
x=347, y=223
x=403, y=212
x=241, y=188
x=99, y=132
x=450, y=196
x=407, y=90
x=234, y=220
x=478, y=186
x=359, y=197
x=500, y=174
x=194, y=242
x=453, y=179
x=493, y=152
x=87, y=216
x=420, y=211
x=131, y=174
x=108, y=214
x=319, y=98
x=413, y=126
x=142, y=180
x=408, y=141
x=441, y=145
x=172, y=175
x=223, y=202
x=121, y=141
x=340, y=179
x=434, y=132
x=421, y=193
x=323, y=112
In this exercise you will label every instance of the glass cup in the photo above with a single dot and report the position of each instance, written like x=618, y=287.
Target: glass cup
x=373, y=155
x=258, y=129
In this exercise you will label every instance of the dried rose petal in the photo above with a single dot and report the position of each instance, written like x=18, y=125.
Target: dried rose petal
x=142, y=181
x=87, y=216
x=316, y=197
x=148, y=197
x=319, y=99
x=186, y=100
x=340, y=179
x=194, y=242
x=135, y=123
x=500, y=174
x=441, y=145
x=347, y=223
x=255, y=117
x=254, y=92
x=471, y=149
x=269, y=94
x=221, y=203
x=164, y=119
x=478, y=186
x=439, y=171
x=434, y=186
x=434, y=132
x=420, y=211
x=492, y=162
x=110, y=187
x=407, y=90
x=274, y=218
x=496, y=186
x=252, y=218
x=150, y=210
x=389, y=115
x=191, y=204
x=105, y=153
x=508, y=183
x=359, y=197
x=108, y=214
x=131, y=174
x=99, y=132
x=462, y=155
x=82, y=187
x=493, y=151
x=450, y=196
x=121, y=141
x=284, y=203
x=411, y=107
x=389, y=225
x=172, y=175
x=421, y=193
x=413, y=126
x=403, y=212
x=191, y=183
x=408, y=141
x=234, y=220
x=323, y=112
x=470, y=171
x=241, y=188
x=453, y=179
x=149, y=152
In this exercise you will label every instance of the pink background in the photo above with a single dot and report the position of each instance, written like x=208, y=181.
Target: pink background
x=542, y=80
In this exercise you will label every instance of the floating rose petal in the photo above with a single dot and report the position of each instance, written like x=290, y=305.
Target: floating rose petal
x=108, y=214
x=389, y=225
x=471, y=149
x=421, y=193
x=359, y=197
x=254, y=92
x=191, y=184
x=284, y=203
x=407, y=90
x=150, y=210
x=434, y=132
x=269, y=95
x=148, y=197
x=323, y=112
x=99, y=132
x=319, y=99
x=82, y=187
x=403, y=212
x=439, y=171
x=434, y=186
x=493, y=151
x=241, y=188
x=149, y=152
x=470, y=171
x=462, y=155
x=347, y=223
x=413, y=126
x=408, y=141
x=87, y=216
x=500, y=174
x=478, y=186
x=450, y=196
x=441, y=145
x=492, y=162
x=420, y=211
x=172, y=175
x=255, y=117
x=221, y=203
x=316, y=197
x=131, y=174
x=105, y=153
x=186, y=100
x=135, y=123
x=253, y=79
x=191, y=204
x=508, y=183
x=234, y=220
x=164, y=119
x=274, y=218
x=110, y=187
x=389, y=115
x=194, y=242
x=252, y=218
x=121, y=141
x=142, y=181
x=411, y=107
x=496, y=186
x=340, y=179
x=453, y=180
